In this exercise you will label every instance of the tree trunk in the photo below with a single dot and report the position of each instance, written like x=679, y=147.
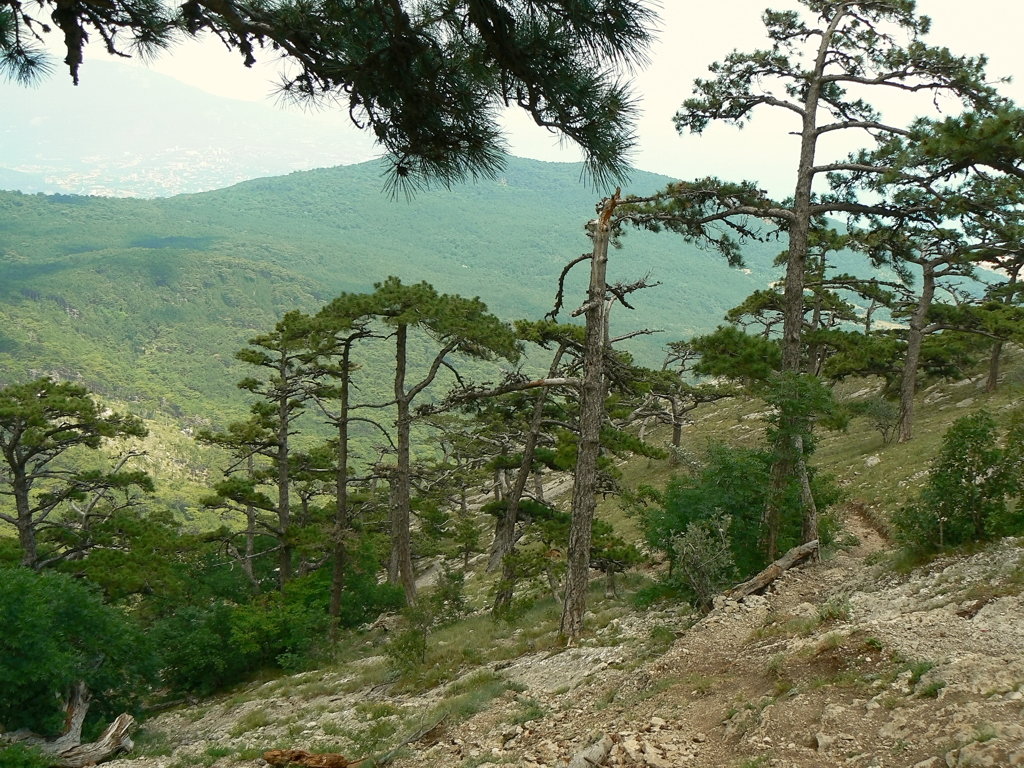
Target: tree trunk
x=401, y=541
x=26, y=529
x=113, y=741
x=505, y=535
x=75, y=710
x=785, y=460
x=67, y=751
x=591, y=417
x=809, y=530
x=341, y=497
x=993, y=367
x=250, y=529
x=283, y=491
x=915, y=339
x=504, y=538
x=793, y=557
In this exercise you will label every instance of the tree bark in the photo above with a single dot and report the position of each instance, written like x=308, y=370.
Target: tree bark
x=786, y=459
x=592, y=409
x=67, y=751
x=284, y=483
x=341, y=515
x=915, y=339
x=401, y=537
x=504, y=545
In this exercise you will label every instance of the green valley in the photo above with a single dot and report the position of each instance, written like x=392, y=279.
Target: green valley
x=146, y=300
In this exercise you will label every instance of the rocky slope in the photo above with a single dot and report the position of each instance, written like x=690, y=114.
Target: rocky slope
x=843, y=662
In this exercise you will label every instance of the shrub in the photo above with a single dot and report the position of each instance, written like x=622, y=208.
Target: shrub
x=57, y=632
x=197, y=651
x=736, y=481
x=21, y=756
x=883, y=415
x=705, y=559
x=966, y=497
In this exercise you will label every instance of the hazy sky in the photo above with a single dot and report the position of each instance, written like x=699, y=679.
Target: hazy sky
x=692, y=36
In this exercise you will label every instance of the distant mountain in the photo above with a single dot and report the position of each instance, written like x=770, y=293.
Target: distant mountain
x=29, y=183
x=101, y=138
x=147, y=300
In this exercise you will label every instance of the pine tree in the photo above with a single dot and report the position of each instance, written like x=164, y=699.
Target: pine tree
x=40, y=423
x=457, y=326
x=820, y=62
x=427, y=79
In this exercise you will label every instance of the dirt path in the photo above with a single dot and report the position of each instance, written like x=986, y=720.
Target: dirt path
x=839, y=664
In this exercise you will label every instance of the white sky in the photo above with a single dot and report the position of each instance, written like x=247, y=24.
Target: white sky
x=692, y=36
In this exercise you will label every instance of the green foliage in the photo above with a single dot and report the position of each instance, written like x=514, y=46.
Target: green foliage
x=883, y=415
x=448, y=599
x=704, y=558
x=733, y=354
x=733, y=482
x=407, y=650
x=22, y=756
x=57, y=632
x=218, y=641
x=969, y=488
x=42, y=424
x=197, y=650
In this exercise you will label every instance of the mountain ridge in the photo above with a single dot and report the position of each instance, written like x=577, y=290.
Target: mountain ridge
x=147, y=300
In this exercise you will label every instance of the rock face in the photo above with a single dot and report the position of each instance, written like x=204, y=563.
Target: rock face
x=840, y=664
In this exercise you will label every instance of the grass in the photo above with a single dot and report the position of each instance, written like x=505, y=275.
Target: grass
x=931, y=690
x=529, y=709
x=150, y=743
x=250, y=721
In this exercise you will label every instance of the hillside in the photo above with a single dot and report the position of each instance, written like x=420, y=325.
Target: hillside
x=146, y=301
x=849, y=661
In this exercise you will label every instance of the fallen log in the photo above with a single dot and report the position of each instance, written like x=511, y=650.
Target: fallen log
x=113, y=741
x=761, y=581
x=594, y=755
x=67, y=751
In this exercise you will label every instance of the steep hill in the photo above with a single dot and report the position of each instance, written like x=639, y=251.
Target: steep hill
x=147, y=300
x=846, y=661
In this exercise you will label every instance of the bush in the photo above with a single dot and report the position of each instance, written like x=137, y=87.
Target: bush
x=969, y=489
x=21, y=756
x=212, y=646
x=57, y=632
x=883, y=415
x=198, y=654
x=704, y=558
x=734, y=481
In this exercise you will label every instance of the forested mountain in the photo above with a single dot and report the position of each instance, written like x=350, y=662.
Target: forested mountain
x=147, y=300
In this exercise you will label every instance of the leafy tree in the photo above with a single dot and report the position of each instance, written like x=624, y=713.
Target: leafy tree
x=62, y=648
x=732, y=483
x=426, y=78
x=42, y=423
